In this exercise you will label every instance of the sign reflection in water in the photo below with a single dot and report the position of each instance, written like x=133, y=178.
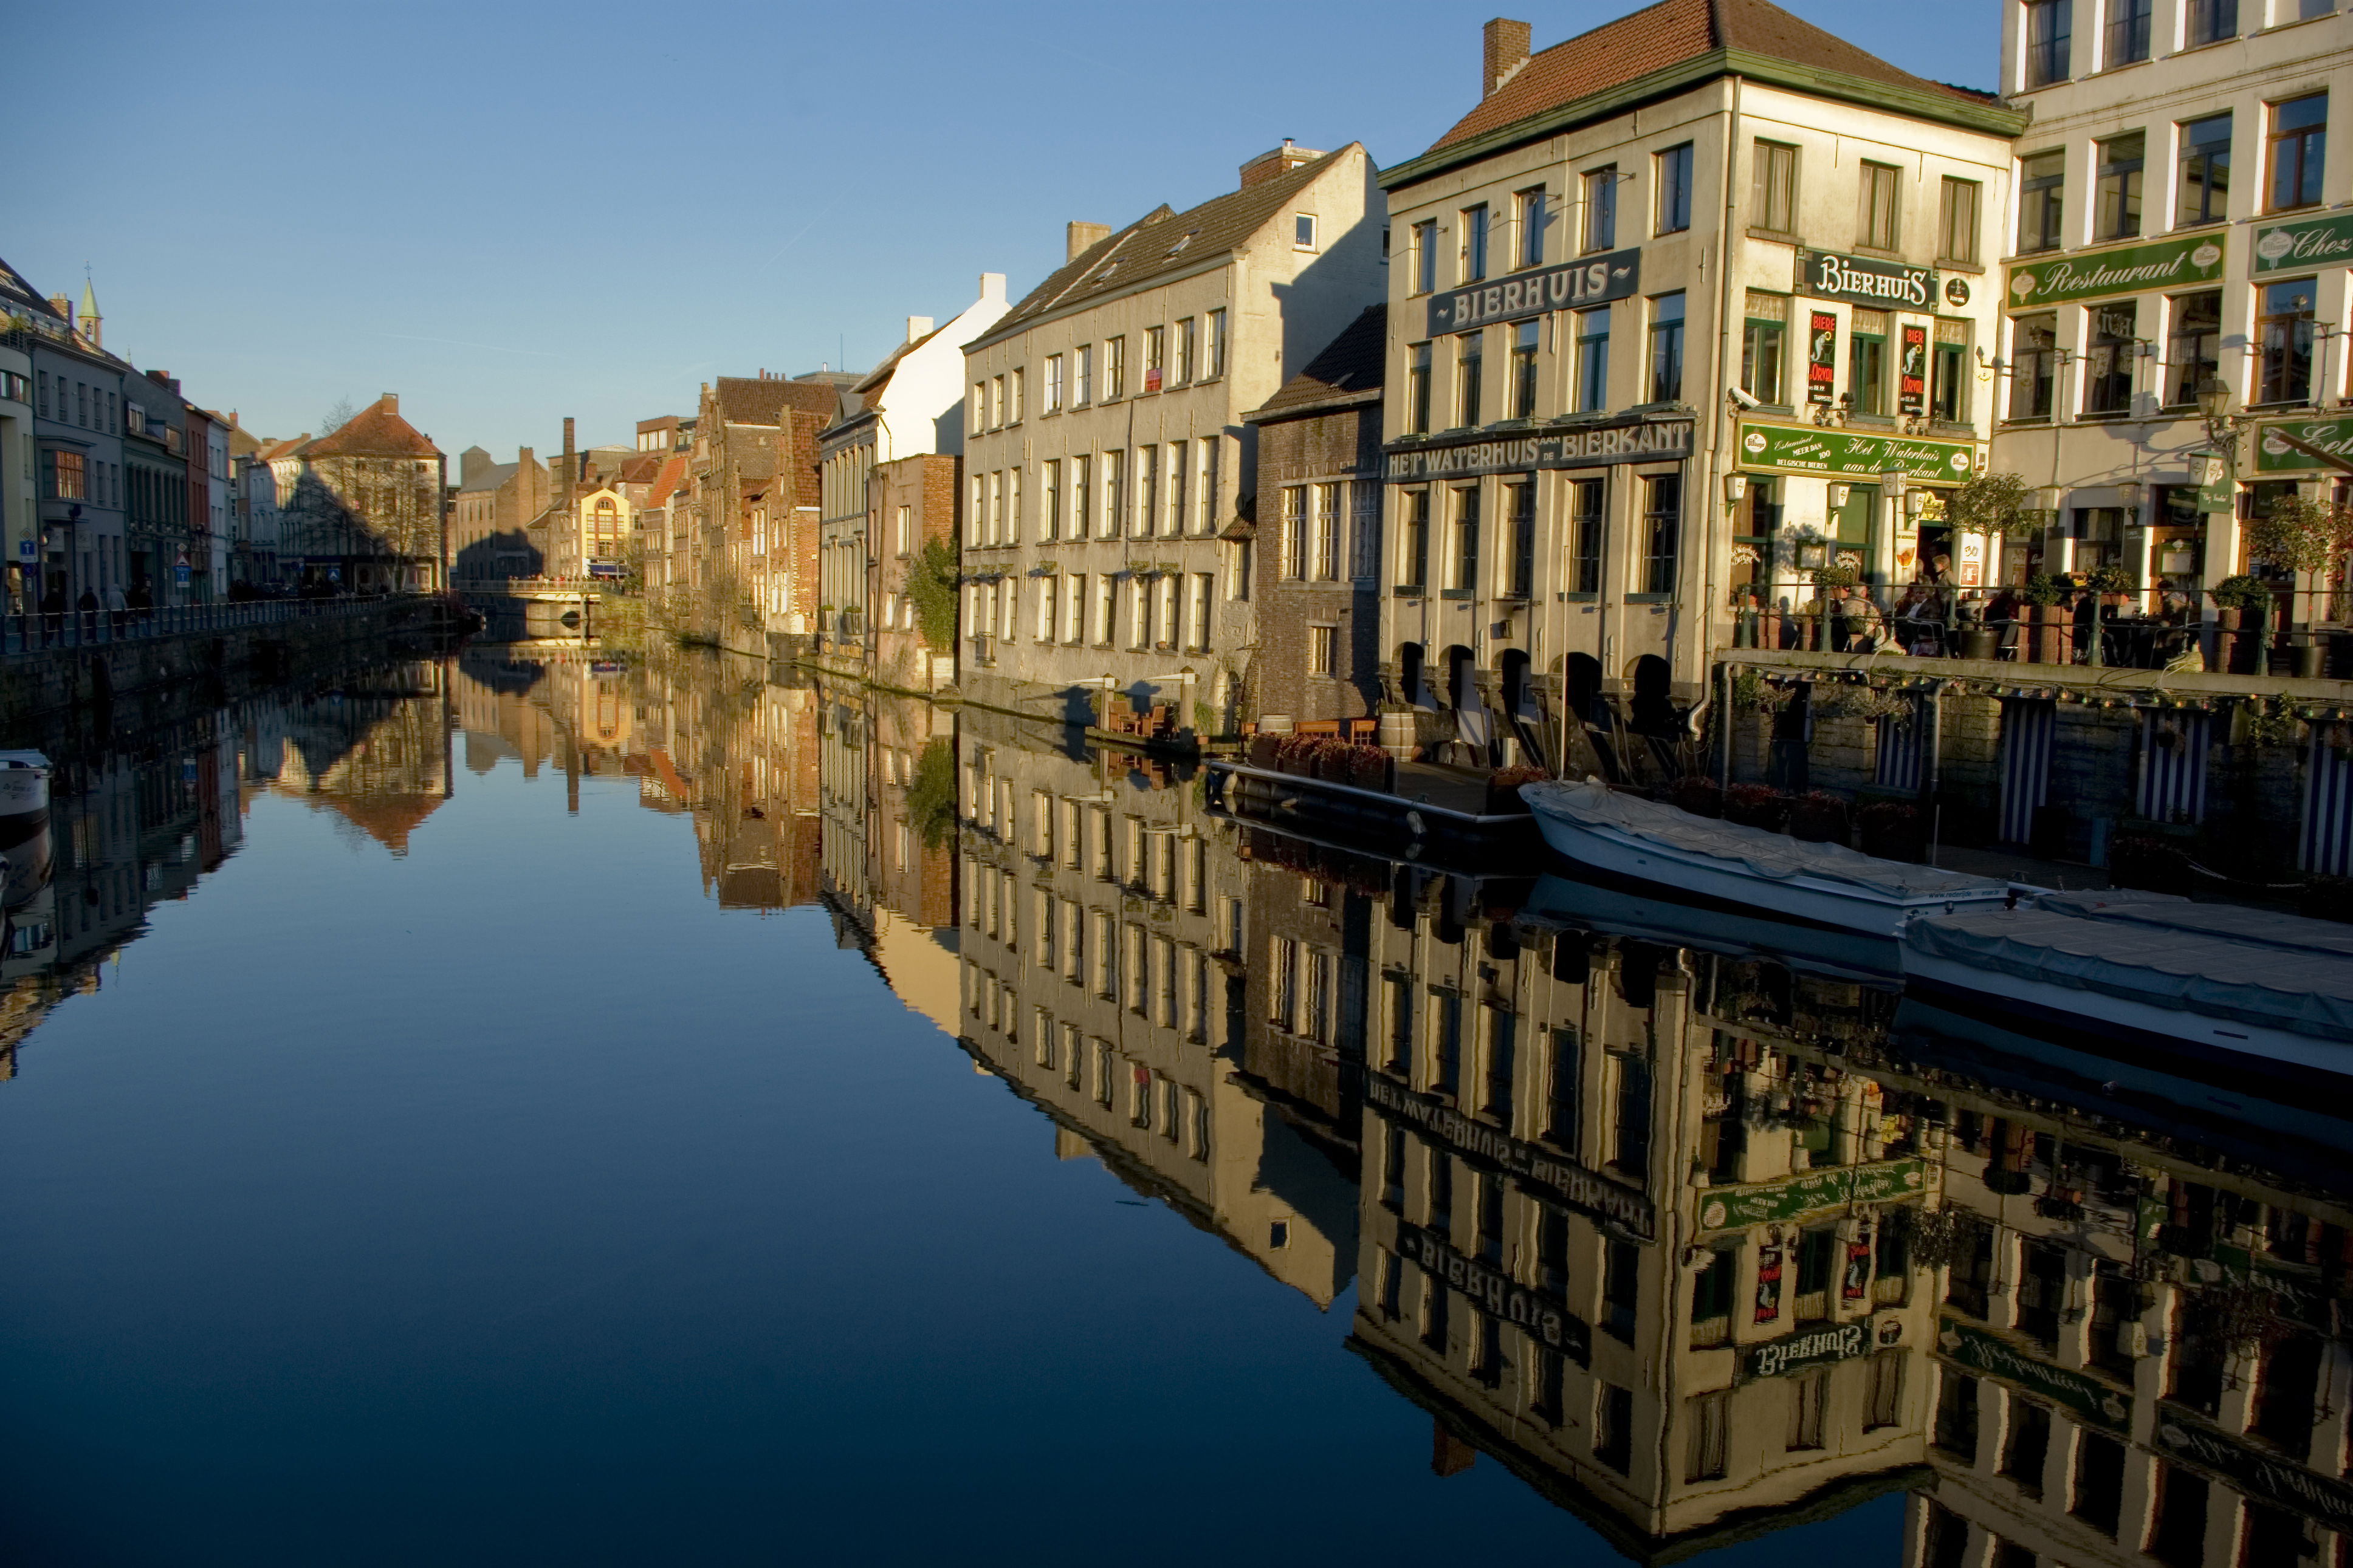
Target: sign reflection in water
x=1565, y=1169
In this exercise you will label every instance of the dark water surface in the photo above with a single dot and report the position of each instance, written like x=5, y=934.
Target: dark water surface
x=529, y=1109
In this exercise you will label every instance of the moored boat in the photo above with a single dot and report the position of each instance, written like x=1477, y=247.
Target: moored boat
x=24, y=784
x=1723, y=864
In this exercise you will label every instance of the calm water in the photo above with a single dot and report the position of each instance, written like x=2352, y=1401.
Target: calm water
x=542, y=1107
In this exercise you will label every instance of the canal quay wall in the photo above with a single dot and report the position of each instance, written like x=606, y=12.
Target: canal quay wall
x=123, y=680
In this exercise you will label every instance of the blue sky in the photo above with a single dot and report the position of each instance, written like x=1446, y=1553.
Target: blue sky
x=510, y=212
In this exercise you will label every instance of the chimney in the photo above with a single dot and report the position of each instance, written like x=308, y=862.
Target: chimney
x=389, y=402
x=917, y=326
x=64, y=307
x=1506, y=51
x=992, y=288
x=1078, y=237
x=571, y=462
x=1282, y=161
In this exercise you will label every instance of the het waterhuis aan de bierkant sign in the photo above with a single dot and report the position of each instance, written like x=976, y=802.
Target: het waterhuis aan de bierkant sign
x=1860, y=281
x=2309, y=242
x=1851, y=454
x=2331, y=435
x=1630, y=441
x=2123, y=269
x=1592, y=280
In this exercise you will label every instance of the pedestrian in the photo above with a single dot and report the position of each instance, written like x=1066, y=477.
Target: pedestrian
x=118, y=608
x=53, y=611
x=88, y=605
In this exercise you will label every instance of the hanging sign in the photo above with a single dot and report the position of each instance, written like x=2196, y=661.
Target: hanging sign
x=1867, y=282
x=1595, y=280
x=1912, y=372
x=2314, y=242
x=2124, y=270
x=1851, y=453
x=2212, y=473
x=1821, y=356
x=2272, y=455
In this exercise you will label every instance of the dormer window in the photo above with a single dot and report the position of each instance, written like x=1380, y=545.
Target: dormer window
x=1183, y=240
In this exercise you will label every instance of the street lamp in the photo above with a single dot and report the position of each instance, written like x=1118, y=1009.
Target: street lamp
x=2214, y=406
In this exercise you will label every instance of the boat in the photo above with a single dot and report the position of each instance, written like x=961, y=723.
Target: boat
x=1700, y=860
x=24, y=784
x=2154, y=979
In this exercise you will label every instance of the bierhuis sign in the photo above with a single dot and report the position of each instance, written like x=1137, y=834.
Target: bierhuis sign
x=1594, y=281
x=2124, y=269
x=1888, y=284
x=1852, y=454
x=2313, y=242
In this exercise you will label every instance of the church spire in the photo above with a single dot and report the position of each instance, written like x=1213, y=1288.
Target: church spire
x=88, y=315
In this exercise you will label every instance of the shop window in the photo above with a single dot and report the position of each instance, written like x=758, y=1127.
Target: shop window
x=2108, y=367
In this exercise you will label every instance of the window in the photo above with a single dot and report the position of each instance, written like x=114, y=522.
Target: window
x=2299, y=127
x=2284, y=328
x=1075, y=609
x=2026, y=1446
x=1956, y=221
x=1203, y=591
x=1205, y=484
x=2211, y=21
x=2049, y=25
x=1425, y=256
x=2108, y=366
x=2204, y=189
x=1417, y=395
x=1081, y=496
x=1593, y=360
x=1706, y=1415
x=1323, y=534
x=1053, y=383
x=1462, y=555
x=2178, y=1539
x=1303, y=231
x=1186, y=346
x=68, y=476
x=1585, y=536
x=2194, y=349
x=979, y=407
x=1523, y=371
x=1172, y=500
x=1156, y=357
x=1674, y=174
x=1882, y=199
x=1534, y=220
x=1613, y=1426
x=1662, y=531
x=2128, y=34
x=1082, y=376
x=1667, y=348
x=1957, y=1416
x=1764, y=344
x=1520, y=504
x=2041, y=201
x=1290, y=549
x=1806, y=1411
x=1013, y=397
x=1114, y=370
x=1115, y=495
x=1884, y=1404
x=1473, y=258
x=1866, y=361
x=997, y=403
x=1773, y=203
x=1948, y=370
x=1321, y=641
x=2099, y=1482
x=2034, y=365
x=2116, y=197
x=1470, y=370
x=1217, y=342
x=1601, y=214
x=1049, y=505
x=1413, y=541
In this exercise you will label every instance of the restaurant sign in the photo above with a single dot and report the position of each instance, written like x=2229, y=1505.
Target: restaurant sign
x=1497, y=1294
x=1852, y=454
x=1626, y=441
x=1979, y=1350
x=1800, y=1352
x=1595, y=280
x=2126, y=269
x=1811, y=1192
x=2334, y=436
x=1628, y=1210
x=2264, y=1478
x=1890, y=285
x=2314, y=242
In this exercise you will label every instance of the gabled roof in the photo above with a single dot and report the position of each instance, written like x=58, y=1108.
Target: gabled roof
x=376, y=431
x=641, y=468
x=1682, y=32
x=286, y=448
x=667, y=480
x=1160, y=243
x=489, y=478
x=1348, y=371
x=762, y=400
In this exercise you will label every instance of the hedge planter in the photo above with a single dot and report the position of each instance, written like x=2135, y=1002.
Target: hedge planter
x=1819, y=818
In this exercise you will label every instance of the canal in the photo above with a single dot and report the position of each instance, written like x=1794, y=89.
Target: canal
x=548, y=1106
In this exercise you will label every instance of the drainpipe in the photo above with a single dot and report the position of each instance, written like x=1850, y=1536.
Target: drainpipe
x=1717, y=383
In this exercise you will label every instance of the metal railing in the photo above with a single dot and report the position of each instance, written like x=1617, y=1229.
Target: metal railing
x=44, y=630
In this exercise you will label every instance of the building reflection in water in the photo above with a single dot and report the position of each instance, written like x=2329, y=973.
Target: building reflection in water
x=1700, y=1243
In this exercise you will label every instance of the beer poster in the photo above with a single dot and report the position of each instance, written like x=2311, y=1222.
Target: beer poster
x=1912, y=372
x=1769, y=1284
x=1821, y=356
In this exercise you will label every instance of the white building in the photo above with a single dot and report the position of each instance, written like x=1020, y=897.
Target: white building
x=2177, y=219
x=1104, y=444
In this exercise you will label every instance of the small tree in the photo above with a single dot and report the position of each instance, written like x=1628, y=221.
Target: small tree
x=932, y=588
x=1990, y=503
x=340, y=413
x=2303, y=535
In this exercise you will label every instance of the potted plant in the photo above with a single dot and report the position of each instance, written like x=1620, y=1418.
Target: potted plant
x=1991, y=503
x=1264, y=750
x=2308, y=536
x=1370, y=767
x=1697, y=793
x=1756, y=806
x=2043, y=592
x=2233, y=596
x=1818, y=817
x=1891, y=830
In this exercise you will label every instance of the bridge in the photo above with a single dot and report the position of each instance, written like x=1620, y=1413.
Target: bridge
x=546, y=606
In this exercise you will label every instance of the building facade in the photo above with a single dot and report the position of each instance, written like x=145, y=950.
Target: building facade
x=1678, y=312
x=362, y=505
x=1105, y=451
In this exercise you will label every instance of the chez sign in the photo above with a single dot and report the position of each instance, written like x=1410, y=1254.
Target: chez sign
x=1595, y=280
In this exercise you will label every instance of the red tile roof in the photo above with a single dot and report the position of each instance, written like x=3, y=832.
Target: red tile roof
x=374, y=432
x=1668, y=34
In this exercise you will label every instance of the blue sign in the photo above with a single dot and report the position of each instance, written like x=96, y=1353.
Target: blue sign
x=27, y=549
x=182, y=574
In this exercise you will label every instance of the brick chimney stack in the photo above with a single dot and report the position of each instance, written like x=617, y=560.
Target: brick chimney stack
x=1078, y=237
x=1506, y=51
x=571, y=462
x=389, y=402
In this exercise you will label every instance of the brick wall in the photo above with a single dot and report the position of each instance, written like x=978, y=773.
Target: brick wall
x=1341, y=446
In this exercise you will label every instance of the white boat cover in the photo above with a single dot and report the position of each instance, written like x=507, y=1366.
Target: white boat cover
x=1755, y=850
x=2297, y=989
x=2234, y=921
